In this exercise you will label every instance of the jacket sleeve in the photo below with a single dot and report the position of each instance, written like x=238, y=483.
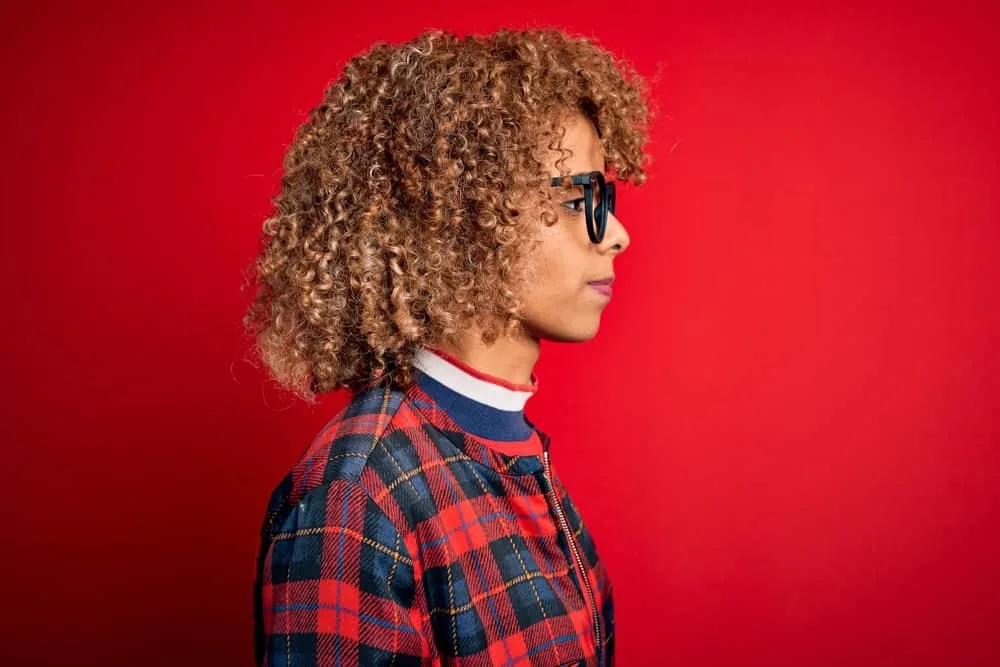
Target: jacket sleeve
x=338, y=586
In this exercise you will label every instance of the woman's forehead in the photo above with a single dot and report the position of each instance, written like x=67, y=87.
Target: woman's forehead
x=581, y=138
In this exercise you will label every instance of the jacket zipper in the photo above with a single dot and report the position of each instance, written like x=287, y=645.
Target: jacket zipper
x=576, y=555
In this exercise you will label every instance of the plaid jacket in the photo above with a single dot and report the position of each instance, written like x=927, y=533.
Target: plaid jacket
x=400, y=539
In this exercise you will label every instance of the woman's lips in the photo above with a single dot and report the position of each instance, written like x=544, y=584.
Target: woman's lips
x=602, y=286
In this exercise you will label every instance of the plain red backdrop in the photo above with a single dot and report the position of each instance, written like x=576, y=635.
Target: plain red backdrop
x=784, y=437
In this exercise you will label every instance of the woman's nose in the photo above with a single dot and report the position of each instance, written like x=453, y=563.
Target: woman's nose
x=615, y=235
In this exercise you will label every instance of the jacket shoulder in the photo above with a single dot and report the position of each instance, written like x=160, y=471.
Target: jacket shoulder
x=340, y=451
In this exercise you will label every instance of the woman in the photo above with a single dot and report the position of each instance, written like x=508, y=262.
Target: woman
x=444, y=210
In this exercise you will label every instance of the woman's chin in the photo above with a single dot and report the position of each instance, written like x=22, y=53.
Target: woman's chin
x=579, y=332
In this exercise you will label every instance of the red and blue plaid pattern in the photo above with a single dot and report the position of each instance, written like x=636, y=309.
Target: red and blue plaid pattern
x=399, y=539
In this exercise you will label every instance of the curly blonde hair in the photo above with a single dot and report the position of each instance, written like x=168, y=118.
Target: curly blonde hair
x=400, y=216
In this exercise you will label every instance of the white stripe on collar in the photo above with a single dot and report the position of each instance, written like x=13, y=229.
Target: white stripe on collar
x=458, y=380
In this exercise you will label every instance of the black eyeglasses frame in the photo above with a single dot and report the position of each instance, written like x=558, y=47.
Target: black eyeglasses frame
x=597, y=220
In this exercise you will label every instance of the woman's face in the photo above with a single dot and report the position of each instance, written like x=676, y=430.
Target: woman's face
x=560, y=304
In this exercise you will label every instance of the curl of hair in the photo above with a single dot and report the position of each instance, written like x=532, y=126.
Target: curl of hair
x=400, y=219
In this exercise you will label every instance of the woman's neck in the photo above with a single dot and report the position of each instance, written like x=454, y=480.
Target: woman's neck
x=510, y=359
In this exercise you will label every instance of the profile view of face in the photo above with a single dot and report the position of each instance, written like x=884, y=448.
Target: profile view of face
x=560, y=303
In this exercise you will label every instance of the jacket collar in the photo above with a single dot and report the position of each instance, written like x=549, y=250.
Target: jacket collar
x=505, y=401
x=472, y=383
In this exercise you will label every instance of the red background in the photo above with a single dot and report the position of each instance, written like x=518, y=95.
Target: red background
x=784, y=437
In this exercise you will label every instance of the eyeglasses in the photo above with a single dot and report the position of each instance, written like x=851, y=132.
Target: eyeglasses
x=597, y=217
